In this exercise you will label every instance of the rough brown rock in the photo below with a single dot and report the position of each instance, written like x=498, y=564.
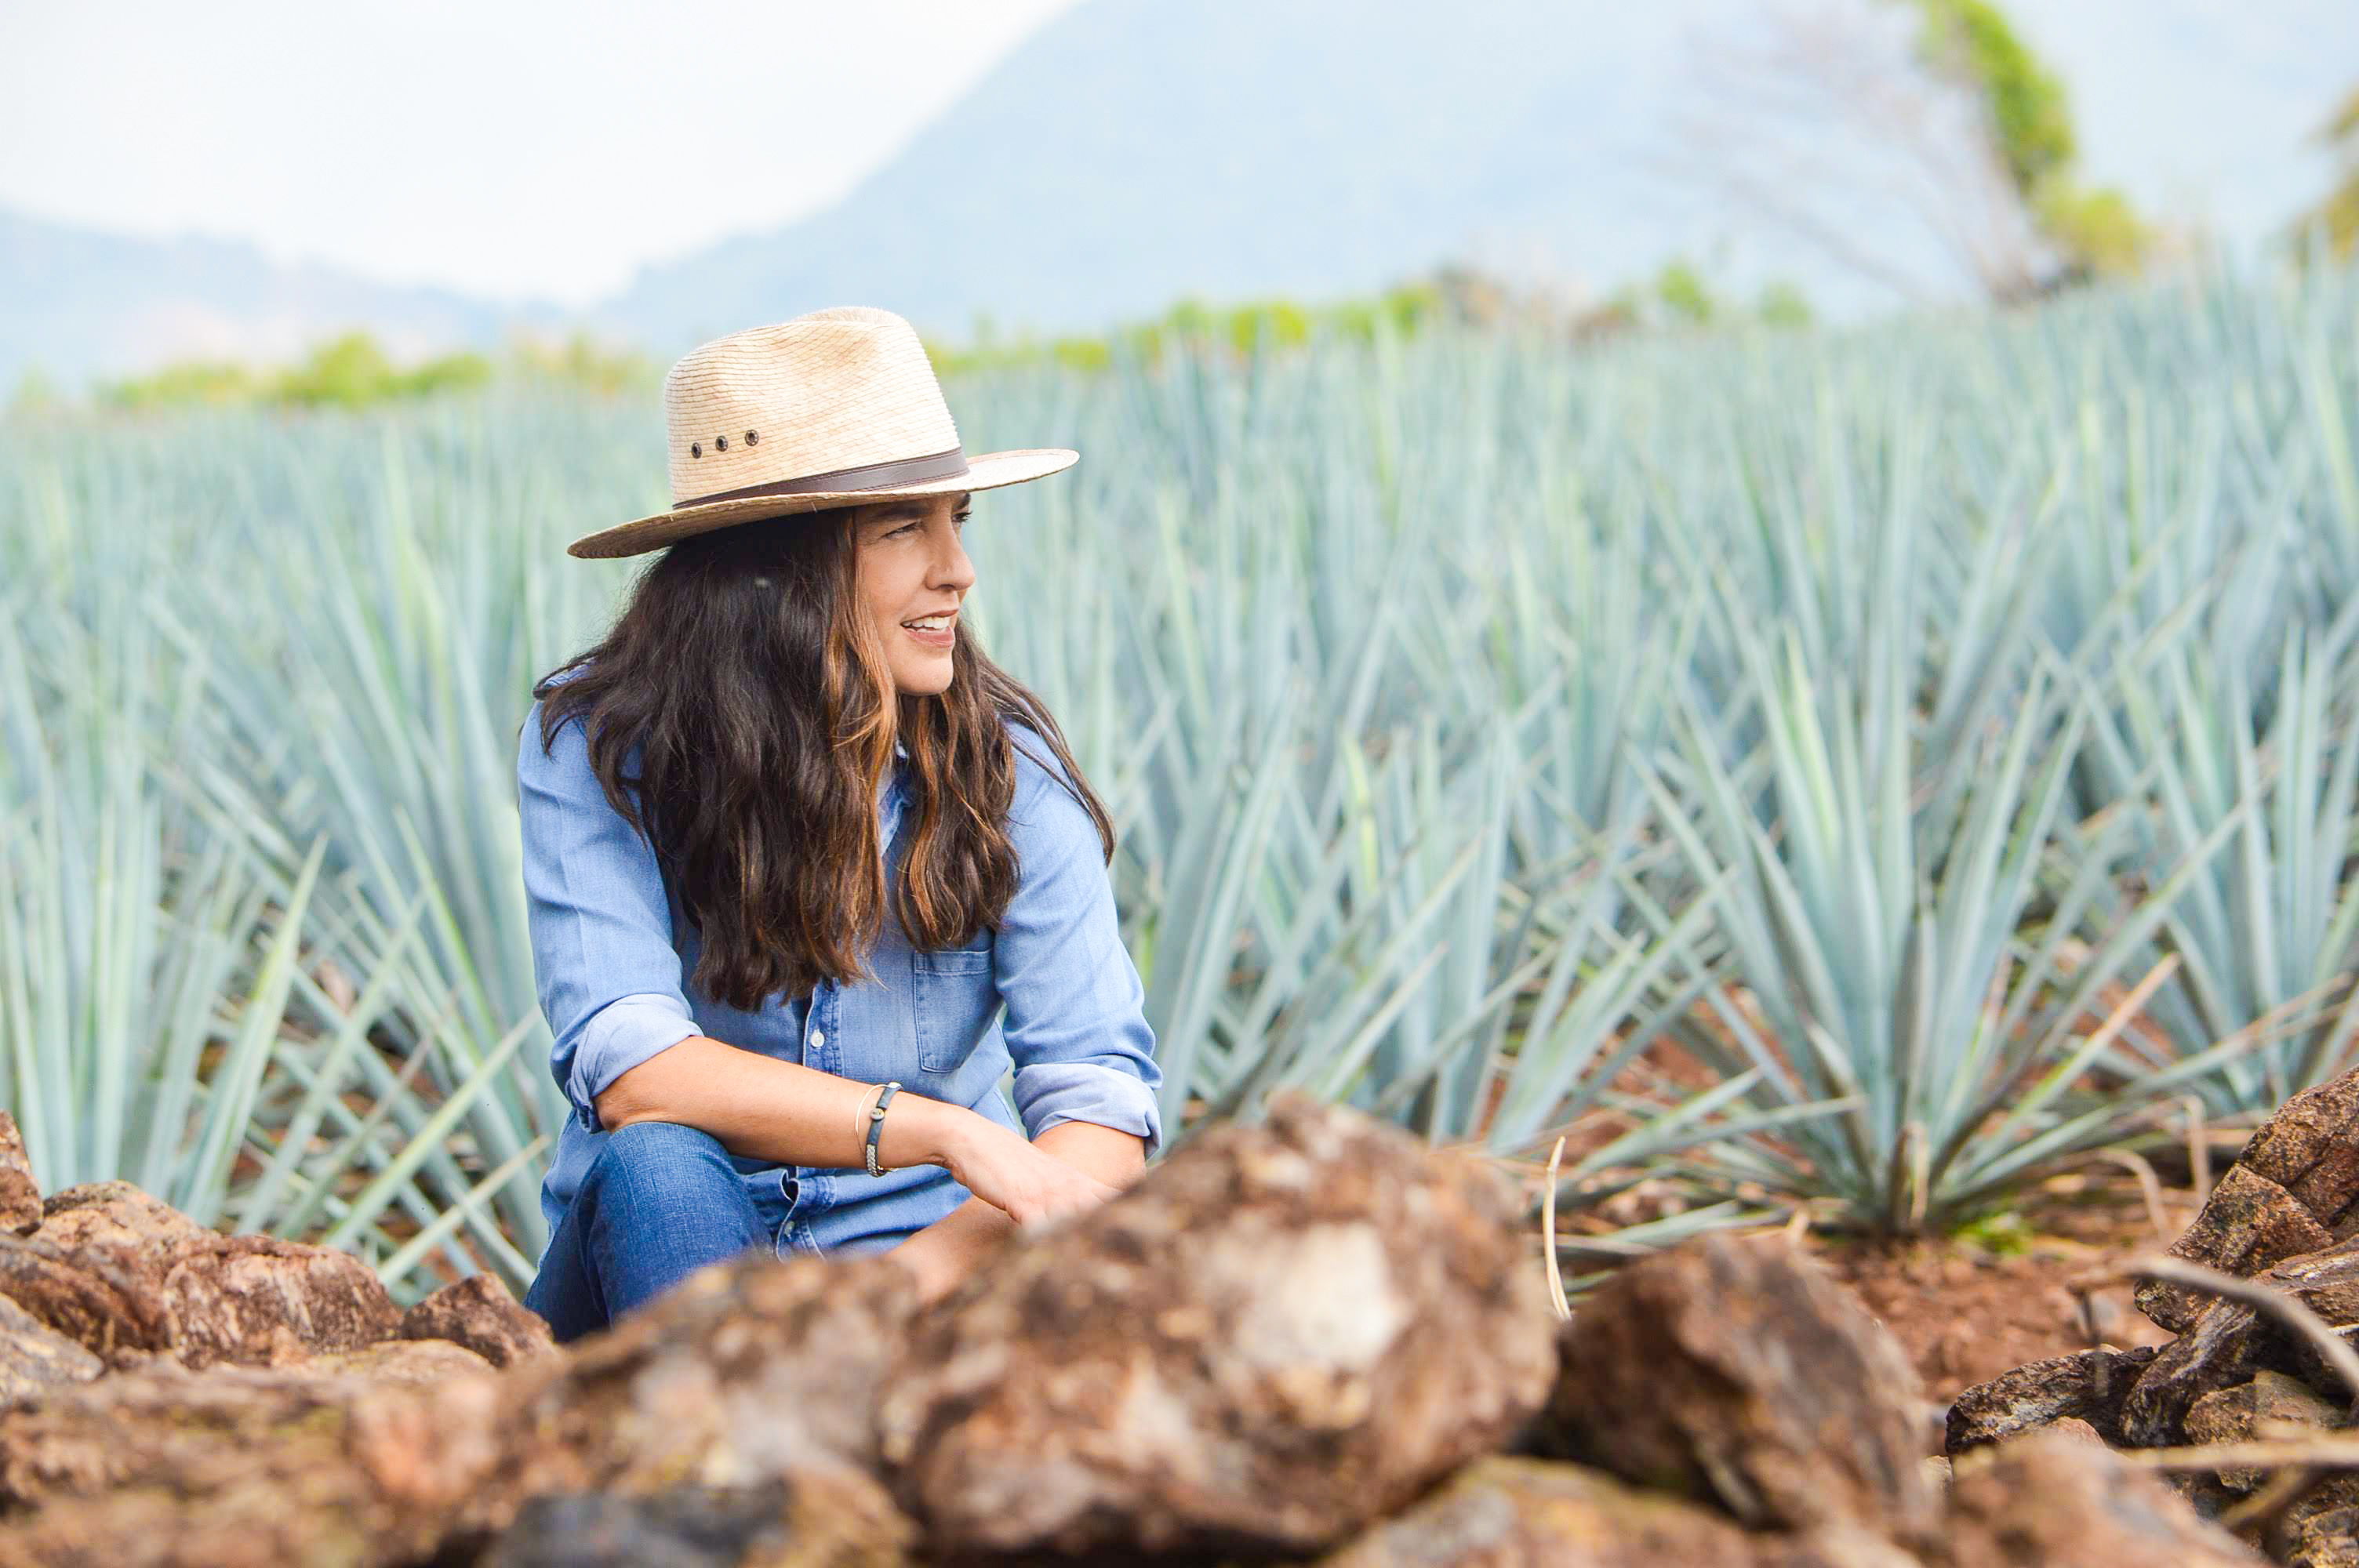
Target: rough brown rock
x=1742, y=1371
x=2310, y=1148
x=2326, y=1282
x=2248, y=1223
x=33, y=1356
x=747, y=1372
x=479, y=1313
x=238, y=1465
x=2226, y=1345
x=2229, y=1342
x=109, y=1308
x=2089, y=1385
x=2327, y=1539
x=114, y=1215
x=129, y=1278
x=228, y=1295
x=2294, y=1189
x=2234, y=1415
x=2045, y=1499
x=413, y=1362
x=827, y=1520
x=2079, y=1431
x=20, y=1194
x=1281, y=1332
x=2334, y=1493
x=1511, y=1512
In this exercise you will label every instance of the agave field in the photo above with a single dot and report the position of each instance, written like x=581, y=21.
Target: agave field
x=1937, y=740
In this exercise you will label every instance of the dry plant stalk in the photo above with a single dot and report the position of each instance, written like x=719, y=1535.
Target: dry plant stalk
x=1547, y=1234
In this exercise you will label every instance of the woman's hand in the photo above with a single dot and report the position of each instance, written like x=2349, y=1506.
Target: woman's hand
x=1028, y=1184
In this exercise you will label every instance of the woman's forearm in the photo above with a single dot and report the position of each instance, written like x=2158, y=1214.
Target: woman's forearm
x=778, y=1110
x=1112, y=1156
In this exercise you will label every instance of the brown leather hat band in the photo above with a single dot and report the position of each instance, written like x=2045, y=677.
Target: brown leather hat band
x=868, y=476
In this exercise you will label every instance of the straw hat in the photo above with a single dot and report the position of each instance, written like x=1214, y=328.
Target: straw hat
x=834, y=408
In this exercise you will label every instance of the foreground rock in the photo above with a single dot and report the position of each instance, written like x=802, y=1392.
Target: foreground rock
x=814, y=1523
x=34, y=1355
x=130, y=1278
x=1281, y=1333
x=1520, y=1510
x=2295, y=1189
x=1311, y=1335
x=2050, y=1499
x=1740, y=1371
x=2090, y=1386
x=2271, y=1404
x=1514, y=1511
x=479, y=1314
x=2286, y=1216
x=749, y=1373
x=1279, y=1336
x=2229, y=1343
x=20, y=1196
x=746, y=1372
x=164, y=1468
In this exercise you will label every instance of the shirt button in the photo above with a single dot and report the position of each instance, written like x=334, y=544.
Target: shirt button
x=819, y=1037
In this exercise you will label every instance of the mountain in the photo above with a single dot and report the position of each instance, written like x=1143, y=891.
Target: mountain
x=1132, y=152
x=79, y=304
x=1135, y=151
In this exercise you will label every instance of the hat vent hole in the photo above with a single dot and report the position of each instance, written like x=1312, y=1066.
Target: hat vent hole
x=695, y=450
x=751, y=438
x=720, y=443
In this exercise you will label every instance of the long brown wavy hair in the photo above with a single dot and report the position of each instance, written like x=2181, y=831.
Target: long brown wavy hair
x=747, y=672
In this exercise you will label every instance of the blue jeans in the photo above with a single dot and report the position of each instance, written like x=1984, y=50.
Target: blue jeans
x=661, y=1201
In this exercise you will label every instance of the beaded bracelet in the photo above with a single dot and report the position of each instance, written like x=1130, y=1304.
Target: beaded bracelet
x=877, y=1127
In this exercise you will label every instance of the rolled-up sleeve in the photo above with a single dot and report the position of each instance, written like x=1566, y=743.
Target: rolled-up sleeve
x=601, y=943
x=1075, y=1026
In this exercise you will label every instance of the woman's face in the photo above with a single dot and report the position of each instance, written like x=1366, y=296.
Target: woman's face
x=913, y=568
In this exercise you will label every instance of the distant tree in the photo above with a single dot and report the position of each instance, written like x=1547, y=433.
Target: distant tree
x=184, y=382
x=1783, y=305
x=1931, y=111
x=2339, y=213
x=580, y=360
x=350, y=372
x=1681, y=289
x=2028, y=116
x=36, y=394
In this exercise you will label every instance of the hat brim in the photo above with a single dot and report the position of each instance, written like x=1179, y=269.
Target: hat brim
x=988, y=471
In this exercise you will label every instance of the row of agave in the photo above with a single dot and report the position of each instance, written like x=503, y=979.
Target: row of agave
x=1936, y=738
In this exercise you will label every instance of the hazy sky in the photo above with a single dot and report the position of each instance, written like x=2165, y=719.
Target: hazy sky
x=525, y=148
x=511, y=150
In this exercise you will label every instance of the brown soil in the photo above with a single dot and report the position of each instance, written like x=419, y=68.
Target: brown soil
x=1967, y=1308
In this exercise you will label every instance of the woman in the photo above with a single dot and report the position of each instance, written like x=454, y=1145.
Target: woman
x=791, y=841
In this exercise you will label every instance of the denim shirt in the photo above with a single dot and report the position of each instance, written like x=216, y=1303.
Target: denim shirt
x=1053, y=993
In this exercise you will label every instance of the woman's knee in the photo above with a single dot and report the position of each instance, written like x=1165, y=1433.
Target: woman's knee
x=661, y=1156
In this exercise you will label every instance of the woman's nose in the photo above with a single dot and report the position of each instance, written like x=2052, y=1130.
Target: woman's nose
x=953, y=567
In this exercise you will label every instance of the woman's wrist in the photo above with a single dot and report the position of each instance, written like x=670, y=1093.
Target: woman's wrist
x=919, y=1130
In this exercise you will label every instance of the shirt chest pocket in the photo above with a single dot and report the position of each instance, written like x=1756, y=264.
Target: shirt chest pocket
x=955, y=1000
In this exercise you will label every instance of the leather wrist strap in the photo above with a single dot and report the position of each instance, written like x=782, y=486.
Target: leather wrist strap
x=877, y=1127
